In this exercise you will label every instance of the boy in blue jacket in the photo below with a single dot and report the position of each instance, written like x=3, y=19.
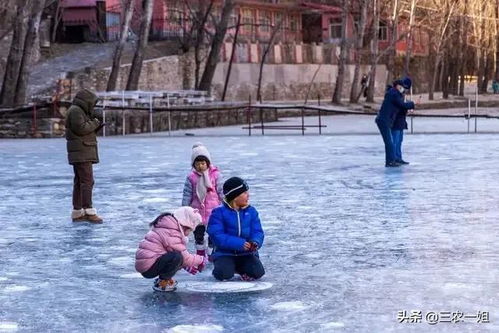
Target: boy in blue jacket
x=237, y=234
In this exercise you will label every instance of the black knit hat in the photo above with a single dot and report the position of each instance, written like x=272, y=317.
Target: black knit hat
x=233, y=187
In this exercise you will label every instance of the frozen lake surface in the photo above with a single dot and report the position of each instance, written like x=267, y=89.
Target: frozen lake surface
x=348, y=243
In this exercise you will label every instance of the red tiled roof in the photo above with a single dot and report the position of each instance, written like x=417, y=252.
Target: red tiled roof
x=79, y=15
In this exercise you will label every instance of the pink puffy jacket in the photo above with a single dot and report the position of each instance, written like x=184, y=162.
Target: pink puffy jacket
x=166, y=236
x=213, y=196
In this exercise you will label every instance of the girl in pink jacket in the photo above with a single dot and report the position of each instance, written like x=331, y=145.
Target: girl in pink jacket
x=202, y=190
x=163, y=250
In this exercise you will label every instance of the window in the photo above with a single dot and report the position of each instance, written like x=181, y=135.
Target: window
x=279, y=20
x=175, y=14
x=335, y=27
x=248, y=19
x=293, y=23
x=383, y=31
x=265, y=21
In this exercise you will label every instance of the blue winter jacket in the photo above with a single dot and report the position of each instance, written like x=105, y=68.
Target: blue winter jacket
x=392, y=105
x=229, y=229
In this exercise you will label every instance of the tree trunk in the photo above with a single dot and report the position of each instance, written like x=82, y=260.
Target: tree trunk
x=354, y=91
x=463, y=48
x=374, y=54
x=118, y=51
x=138, y=58
x=232, y=54
x=393, y=51
x=29, y=48
x=486, y=73
x=266, y=51
x=201, y=19
x=13, y=65
x=496, y=75
x=57, y=19
x=434, y=78
x=343, y=54
x=445, y=79
x=216, y=46
x=409, y=40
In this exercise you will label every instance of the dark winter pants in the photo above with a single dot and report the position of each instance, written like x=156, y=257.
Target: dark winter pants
x=386, y=133
x=82, y=185
x=227, y=266
x=398, y=137
x=165, y=266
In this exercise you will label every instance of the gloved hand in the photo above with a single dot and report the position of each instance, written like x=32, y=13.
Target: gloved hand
x=202, y=265
x=254, y=246
x=192, y=270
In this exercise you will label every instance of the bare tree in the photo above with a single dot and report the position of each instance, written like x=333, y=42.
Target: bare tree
x=359, y=44
x=265, y=52
x=8, y=92
x=496, y=11
x=410, y=37
x=232, y=54
x=138, y=58
x=343, y=53
x=374, y=53
x=394, y=22
x=29, y=46
x=118, y=51
x=216, y=46
x=441, y=20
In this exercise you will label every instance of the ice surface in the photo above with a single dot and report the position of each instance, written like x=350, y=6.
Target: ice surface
x=8, y=326
x=196, y=329
x=348, y=242
x=224, y=287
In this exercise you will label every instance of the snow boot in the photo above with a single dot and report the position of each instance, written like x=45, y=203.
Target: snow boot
x=209, y=251
x=164, y=285
x=78, y=215
x=246, y=277
x=92, y=217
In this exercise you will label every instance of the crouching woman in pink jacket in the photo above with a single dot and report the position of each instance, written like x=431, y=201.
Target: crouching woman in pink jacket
x=163, y=250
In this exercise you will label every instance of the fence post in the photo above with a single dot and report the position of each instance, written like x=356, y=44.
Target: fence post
x=150, y=113
x=469, y=114
x=104, y=117
x=302, y=120
x=249, y=115
x=123, y=111
x=412, y=125
x=320, y=122
x=476, y=108
x=169, y=115
x=261, y=120
x=33, y=127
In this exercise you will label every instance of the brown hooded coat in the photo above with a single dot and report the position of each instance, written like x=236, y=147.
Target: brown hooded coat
x=81, y=127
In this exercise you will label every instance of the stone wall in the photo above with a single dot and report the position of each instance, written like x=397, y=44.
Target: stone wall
x=139, y=121
x=288, y=81
x=20, y=127
x=280, y=81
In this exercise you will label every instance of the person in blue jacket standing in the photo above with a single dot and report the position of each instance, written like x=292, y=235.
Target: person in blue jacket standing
x=400, y=124
x=237, y=234
x=393, y=103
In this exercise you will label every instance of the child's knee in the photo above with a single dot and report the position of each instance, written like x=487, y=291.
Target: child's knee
x=223, y=273
x=177, y=259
